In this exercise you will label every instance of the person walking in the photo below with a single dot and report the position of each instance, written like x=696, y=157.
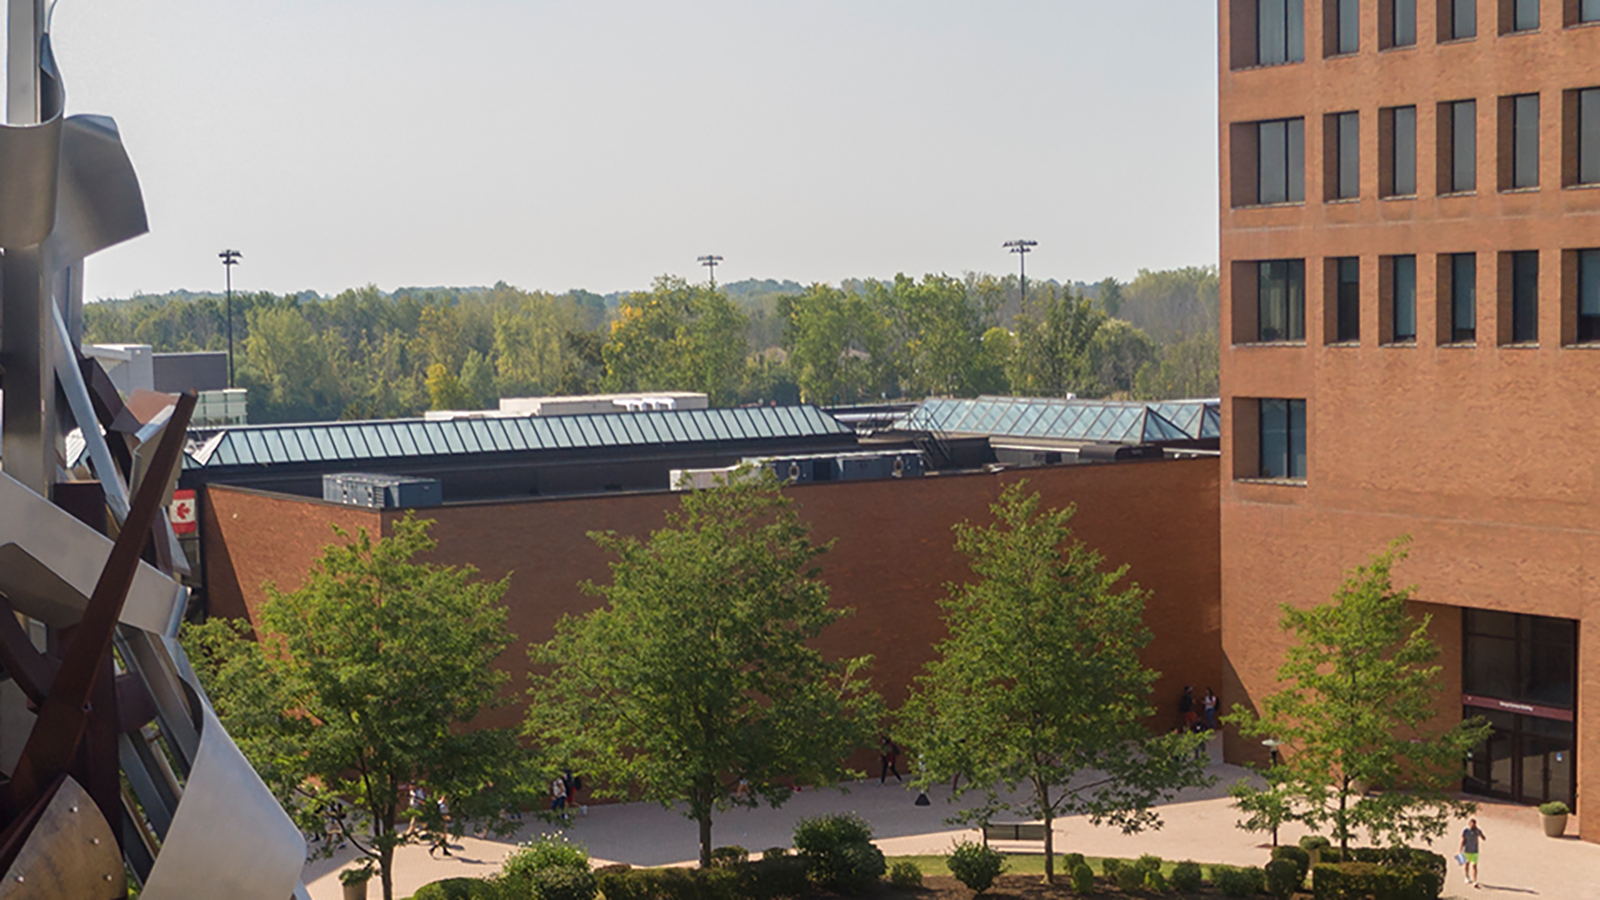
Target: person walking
x=888, y=758
x=441, y=841
x=558, y=796
x=1470, y=836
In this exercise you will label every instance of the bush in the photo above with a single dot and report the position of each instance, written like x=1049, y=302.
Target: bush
x=839, y=853
x=905, y=874
x=1314, y=842
x=975, y=865
x=1071, y=862
x=1186, y=876
x=458, y=889
x=1082, y=879
x=1234, y=881
x=774, y=877
x=823, y=833
x=1155, y=881
x=1130, y=877
x=1296, y=855
x=561, y=883
x=519, y=875
x=727, y=857
x=775, y=853
x=1283, y=876
x=1110, y=866
x=1149, y=863
x=1554, y=808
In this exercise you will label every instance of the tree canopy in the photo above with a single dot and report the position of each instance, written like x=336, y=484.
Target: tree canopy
x=698, y=672
x=1040, y=685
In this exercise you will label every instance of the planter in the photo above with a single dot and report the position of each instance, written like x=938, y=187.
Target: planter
x=357, y=891
x=1554, y=825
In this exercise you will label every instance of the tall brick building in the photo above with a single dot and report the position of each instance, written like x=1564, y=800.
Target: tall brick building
x=1410, y=232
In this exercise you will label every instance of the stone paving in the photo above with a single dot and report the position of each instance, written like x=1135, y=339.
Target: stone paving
x=1518, y=860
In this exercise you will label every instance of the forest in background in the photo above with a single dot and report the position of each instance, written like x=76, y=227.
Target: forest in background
x=366, y=354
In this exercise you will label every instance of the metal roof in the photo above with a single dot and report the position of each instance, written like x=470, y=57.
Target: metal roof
x=354, y=442
x=1099, y=421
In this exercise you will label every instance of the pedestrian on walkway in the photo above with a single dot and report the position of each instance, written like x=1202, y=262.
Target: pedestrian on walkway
x=441, y=840
x=1208, y=704
x=558, y=796
x=1470, y=836
x=888, y=758
x=1186, y=707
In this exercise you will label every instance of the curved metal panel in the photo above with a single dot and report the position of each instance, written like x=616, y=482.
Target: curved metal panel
x=30, y=158
x=98, y=203
x=69, y=853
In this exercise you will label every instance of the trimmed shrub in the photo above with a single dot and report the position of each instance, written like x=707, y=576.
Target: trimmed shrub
x=905, y=874
x=519, y=879
x=839, y=853
x=1554, y=808
x=823, y=833
x=1283, y=877
x=1314, y=842
x=1071, y=862
x=975, y=865
x=1110, y=866
x=458, y=889
x=1149, y=863
x=1155, y=881
x=778, y=876
x=562, y=883
x=1082, y=879
x=1186, y=876
x=1235, y=881
x=1130, y=877
x=731, y=855
x=1301, y=859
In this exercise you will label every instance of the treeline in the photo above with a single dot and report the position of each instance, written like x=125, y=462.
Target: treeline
x=367, y=354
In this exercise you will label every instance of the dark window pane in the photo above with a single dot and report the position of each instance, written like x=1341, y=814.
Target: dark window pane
x=1589, y=11
x=1295, y=161
x=1272, y=37
x=1526, y=16
x=1525, y=296
x=1405, y=150
x=1464, y=18
x=1464, y=146
x=1546, y=675
x=1491, y=668
x=1349, y=127
x=1349, y=299
x=1405, y=298
x=1589, y=136
x=1405, y=23
x=1463, y=297
x=1589, y=294
x=1274, y=439
x=1281, y=300
x=1273, y=155
x=1491, y=622
x=1349, y=26
x=1297, y=438
x=1525, y=141
x=1294, y=49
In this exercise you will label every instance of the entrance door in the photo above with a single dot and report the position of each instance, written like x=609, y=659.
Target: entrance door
x=1528, y=759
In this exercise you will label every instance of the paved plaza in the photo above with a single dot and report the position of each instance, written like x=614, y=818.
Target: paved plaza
x=1518, y=860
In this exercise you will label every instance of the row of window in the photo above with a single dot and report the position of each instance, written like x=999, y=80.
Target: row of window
x=1272, y=32
x=1276, y=313
x=1269, y=156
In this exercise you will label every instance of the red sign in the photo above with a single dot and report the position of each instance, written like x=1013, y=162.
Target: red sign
x=184, y=512
x=1527, y=709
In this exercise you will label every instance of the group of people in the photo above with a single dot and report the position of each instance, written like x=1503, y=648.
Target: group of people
x=564, y=794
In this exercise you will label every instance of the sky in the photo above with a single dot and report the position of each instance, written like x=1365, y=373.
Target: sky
x=598, y=144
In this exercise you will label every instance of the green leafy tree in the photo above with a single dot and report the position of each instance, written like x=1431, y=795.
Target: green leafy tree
x=836, y=343
x=677, y=337
x=1355, y=718
x=699, y=671
x=477, y=379
x=445, y=390
x=1110, y=297
x=1188, y=368
x=1039, y=683
x=361, y=685
x=1116, y=354
x=1052, y=357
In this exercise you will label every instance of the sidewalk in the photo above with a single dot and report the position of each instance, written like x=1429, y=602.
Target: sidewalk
x=1518, y=860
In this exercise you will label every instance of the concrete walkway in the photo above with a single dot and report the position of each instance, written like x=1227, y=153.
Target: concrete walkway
x=1518, y=860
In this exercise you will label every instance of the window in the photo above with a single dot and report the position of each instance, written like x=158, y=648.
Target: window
x=1280, y=173
x=1347, y=299
x=1524, y=296
x=1344, y=156
x=1459, y=149
x=1342, y=26
x=1588, y=134
x=1532, y=659
x=1403, y=287
x=1463, y=298
x=1281, y=300
x=1523, y=138
x=1283, y=439
x=1588, y=296
x=1398, y=23
x=1280, y=32
x=1458, y=19
x=1398, y=136
x=1589, y=10
x=1518, y=16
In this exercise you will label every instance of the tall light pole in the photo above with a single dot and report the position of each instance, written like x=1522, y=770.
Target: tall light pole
x=1022, y=248
x=710, y=262
x=230, y=258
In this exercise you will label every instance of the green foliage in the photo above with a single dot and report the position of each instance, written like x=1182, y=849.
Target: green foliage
x=1236, y=881
x=780, y=877
x=677, y=336
x=1149, y=862
x=975, y=865
x=1362, y=880
x=905, y=874
x=838, y=852
x=359, y=687
x=1040, y=680
x=1111, y=867
x=1053, y=356
x=540, y=855
x=1356, y=711
x=1186, y=876
x=561, y=884
x=1155, y=881
x=837, y=345
x=1082, y=879
x=729, y=856
x=1554, y=808
x=1171, y=304
x=1284, y=877
x=1296, y=855
x=1130, y=877
x=1264, y=809
x=459, y=889
x=1071, y=861
x=699, y=671
x=1184, y=368
x=1314, y=842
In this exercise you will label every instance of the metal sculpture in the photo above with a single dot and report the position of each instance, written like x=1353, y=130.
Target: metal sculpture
x=116, y=762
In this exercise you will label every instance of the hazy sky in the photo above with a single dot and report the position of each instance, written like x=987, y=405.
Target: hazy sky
x=598, y=143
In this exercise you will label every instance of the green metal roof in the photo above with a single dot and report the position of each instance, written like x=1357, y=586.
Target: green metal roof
x=354, y=442
x=1099, y=421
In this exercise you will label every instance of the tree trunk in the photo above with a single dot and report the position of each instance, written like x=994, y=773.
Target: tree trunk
x=705, y=840
x=386, y=871
x=1049, y=834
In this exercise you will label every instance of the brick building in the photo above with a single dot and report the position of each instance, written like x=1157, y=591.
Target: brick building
x=1410, y=261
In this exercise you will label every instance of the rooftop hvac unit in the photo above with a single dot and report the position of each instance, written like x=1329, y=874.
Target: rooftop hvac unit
x=381, y=491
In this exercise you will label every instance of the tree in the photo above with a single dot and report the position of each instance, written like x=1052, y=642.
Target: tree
x=1353, y=720
x=677, y=337
x=1039, y=682
x=1052, y=356
x=361, y=684
x=1188, y=368
x=445, y=390
x=1116, y=354
x=1110, y=297
x=698, y=673
x=835, y=342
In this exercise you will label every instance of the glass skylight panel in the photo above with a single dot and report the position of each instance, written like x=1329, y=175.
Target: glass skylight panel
x=693, y=428
x=276, y=452
x=497, y=434
x=1051, y=415
x=1008, y=419
x=322, y=439
x=604, y=425
x=762, y=421
x=1030, y=415
x=340, y=439
x=390, y=441
x=991, y=414
x=672, y=428
x=407, y=440
x=721, y=427
x=647, y=424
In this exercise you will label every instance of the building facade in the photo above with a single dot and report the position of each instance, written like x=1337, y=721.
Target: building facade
x=1410, y=262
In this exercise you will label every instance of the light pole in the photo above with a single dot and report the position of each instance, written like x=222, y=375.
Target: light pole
x=230, y=258
x=1022, y=248
x=710, y=262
